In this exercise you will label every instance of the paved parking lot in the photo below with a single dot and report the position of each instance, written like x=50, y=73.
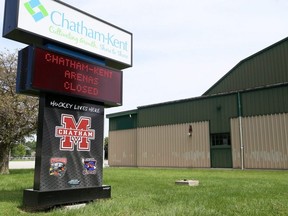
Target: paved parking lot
x=21, y=164
x=31, y=164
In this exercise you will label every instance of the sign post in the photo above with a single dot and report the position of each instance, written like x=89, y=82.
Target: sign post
x=74, y=66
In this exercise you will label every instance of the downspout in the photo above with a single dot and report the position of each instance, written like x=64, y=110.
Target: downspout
x=240, y=130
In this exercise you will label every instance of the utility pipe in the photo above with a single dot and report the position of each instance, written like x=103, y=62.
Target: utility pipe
x=240, y=130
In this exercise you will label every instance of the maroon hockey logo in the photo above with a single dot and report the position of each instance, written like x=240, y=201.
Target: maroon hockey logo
x=73, y=133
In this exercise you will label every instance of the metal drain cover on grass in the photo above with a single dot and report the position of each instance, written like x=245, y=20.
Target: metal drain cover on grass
x=187, y=182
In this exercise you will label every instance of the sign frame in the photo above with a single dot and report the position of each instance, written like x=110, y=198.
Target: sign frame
x=88, y=34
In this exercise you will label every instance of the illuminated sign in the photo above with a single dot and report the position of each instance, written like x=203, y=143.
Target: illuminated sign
x=37, y=21
x=42, y=70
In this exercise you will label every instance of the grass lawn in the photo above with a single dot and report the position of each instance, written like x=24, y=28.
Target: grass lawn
x=147, y=191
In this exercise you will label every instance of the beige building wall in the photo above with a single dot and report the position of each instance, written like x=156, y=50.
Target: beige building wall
x=265, y=141
x=171, y=146
x=122, y=148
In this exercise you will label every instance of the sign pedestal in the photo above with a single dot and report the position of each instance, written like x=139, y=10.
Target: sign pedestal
x=34, y=200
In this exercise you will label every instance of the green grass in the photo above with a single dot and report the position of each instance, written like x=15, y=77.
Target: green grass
x=147, y=191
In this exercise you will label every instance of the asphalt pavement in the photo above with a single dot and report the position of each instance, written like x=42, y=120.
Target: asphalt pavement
x=21, y=164
x=31, y=164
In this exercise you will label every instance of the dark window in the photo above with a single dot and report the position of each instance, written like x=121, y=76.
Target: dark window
x=220, y=139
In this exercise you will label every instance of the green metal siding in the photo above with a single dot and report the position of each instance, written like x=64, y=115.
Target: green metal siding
x=218, y=110
x=267, y=67
x=123, y=122
x=265, y=101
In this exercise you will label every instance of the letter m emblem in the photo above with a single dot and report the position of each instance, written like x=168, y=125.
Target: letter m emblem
x=73, y=133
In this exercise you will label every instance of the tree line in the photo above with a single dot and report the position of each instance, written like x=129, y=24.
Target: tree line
x=18, y=113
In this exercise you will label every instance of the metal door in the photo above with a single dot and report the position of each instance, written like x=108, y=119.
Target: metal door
x=221, y=153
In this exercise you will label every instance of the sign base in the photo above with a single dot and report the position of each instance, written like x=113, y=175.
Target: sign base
x=35, y=200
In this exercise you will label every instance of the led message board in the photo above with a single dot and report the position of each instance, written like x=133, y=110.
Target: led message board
x=42, y=70
x=39, y=21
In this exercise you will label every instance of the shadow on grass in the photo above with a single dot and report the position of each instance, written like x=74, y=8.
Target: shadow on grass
x=12, y=198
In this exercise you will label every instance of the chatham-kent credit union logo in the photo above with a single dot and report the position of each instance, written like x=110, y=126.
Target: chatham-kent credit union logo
x=74, y=133
x=36, y=9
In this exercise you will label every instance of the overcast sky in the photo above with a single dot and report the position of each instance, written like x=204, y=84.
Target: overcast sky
x=181, y=48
